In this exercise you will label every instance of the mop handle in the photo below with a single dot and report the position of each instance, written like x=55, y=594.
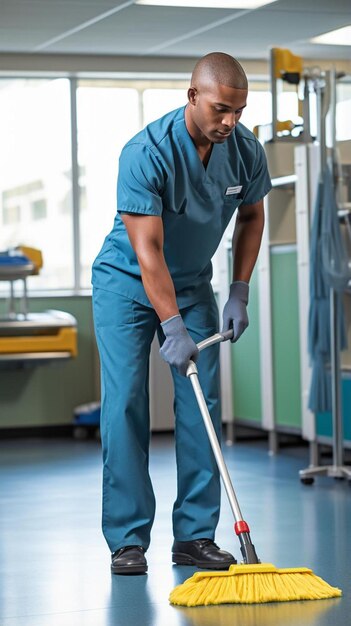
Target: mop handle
x=192, y=373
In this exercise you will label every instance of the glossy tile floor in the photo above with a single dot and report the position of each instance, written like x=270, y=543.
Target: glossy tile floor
x=54, y=565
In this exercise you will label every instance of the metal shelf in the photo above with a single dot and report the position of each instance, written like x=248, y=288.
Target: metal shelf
x=288, y=182
x=21, y=324
x=34, y=356
x=16, y=272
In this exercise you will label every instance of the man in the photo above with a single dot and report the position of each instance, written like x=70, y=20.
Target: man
x=180, y=181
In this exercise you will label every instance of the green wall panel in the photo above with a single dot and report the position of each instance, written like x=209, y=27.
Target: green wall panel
x=285, y=338
x=246, y=364
x=47, y=394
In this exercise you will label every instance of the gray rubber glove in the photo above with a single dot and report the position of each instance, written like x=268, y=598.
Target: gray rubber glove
x=234, y=312
x=178, y=347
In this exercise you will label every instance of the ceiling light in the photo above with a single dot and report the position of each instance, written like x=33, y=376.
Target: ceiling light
x=339, y=37
x=208, y=4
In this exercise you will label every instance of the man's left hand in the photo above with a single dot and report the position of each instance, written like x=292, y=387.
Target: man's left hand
x=234, y=312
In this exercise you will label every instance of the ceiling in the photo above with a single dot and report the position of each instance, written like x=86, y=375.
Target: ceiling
x=120, y=27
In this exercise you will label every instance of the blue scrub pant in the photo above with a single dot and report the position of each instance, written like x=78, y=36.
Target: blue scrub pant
x=124, y=331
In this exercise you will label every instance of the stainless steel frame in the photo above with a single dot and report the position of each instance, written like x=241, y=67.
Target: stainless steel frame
x=326, y=99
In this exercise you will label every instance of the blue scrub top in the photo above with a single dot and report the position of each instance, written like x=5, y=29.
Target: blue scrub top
x=161, y=173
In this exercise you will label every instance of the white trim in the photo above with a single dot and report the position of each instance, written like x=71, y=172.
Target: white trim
x=226, y=347
x=307, y=168
x=75, y=184
x=265, y=327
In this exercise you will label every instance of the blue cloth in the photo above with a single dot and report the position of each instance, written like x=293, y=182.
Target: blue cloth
x=124, y=331
x=14, y=259
x=328, y=269
x=335, y=256
x=161, y=174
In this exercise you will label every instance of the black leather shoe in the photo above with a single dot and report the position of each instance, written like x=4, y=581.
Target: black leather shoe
x=129, y=560
x=203, y=553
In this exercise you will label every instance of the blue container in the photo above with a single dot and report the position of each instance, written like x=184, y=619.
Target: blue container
x=87, y=414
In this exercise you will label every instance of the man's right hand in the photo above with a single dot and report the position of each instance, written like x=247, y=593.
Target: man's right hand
x=178, y=347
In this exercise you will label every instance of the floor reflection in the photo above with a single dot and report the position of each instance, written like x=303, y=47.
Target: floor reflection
x=307, y=613
x=130, y=602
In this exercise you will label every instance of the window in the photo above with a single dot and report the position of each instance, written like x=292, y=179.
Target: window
x=108, y=116
x=157, y=102
x=35, y=165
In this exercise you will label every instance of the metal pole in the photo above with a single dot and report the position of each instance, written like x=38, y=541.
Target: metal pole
x=241, y=527
x=274, y=96
x=306, y=111
x=193, y=375
x=332, y=88
x=12, y=306
x=335, y=303
x=336, y=379
x=25, y=298
x=321, y=126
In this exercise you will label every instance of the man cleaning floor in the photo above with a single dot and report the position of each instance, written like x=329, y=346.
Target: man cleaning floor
x=180, y=181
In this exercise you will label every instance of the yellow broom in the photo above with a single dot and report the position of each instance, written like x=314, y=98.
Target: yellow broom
x=252, y=582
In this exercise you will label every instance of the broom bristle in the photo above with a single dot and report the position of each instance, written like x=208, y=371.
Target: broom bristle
x=249, y=584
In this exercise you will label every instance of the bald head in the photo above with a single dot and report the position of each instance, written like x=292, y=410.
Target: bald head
x=216, y=99
x=221, y=69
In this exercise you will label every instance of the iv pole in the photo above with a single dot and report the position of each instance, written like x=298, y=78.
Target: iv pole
x=326, y=98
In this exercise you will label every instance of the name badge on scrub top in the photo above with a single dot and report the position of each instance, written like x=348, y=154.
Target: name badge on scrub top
x=231, y=190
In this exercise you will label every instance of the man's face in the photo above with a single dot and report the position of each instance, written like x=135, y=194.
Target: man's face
x=215, y=110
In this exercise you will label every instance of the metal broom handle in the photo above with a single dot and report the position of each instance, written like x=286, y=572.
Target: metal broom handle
x=192, y=373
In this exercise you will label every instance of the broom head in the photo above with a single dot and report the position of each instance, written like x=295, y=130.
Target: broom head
x=249, y=584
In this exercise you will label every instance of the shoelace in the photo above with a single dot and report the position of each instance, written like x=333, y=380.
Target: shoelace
x=208, y=542
x=122, y=550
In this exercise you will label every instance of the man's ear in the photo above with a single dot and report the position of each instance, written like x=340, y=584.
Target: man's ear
x=192, y=95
